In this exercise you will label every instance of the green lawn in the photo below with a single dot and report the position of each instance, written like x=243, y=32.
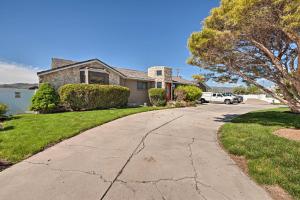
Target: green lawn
x=27, y=134
x=271, y=160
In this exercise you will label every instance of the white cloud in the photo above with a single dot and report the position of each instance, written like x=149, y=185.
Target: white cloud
x=17, y=73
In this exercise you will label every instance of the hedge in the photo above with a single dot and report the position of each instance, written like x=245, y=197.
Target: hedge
x=45, y=100
x=93, y=96
x=187, y=93
x=157, y=96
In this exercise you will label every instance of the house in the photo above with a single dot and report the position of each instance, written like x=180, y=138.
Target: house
x=95, y=71
x=17, y=96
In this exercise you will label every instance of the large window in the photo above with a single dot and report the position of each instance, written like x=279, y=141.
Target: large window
x=158, y=85
x=94, y=77
x=98, y=78
x=142, y=85
x=159, y=73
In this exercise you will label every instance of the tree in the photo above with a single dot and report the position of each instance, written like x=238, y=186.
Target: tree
x=239, y=90
x=252, y=40
x=199, y=78
x=45, y=100
x=252, y=89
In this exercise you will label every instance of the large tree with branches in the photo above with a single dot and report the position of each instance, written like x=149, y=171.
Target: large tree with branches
x=252, y=40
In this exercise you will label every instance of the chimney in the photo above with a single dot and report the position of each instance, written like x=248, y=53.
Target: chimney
x=57, y=62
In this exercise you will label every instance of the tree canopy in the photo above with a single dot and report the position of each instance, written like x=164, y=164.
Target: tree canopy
x=252, y=40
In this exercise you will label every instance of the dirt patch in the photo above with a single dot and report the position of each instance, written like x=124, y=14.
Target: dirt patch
x=289, y=133
x=241, y=162
x=277, y=193
x=256, y=102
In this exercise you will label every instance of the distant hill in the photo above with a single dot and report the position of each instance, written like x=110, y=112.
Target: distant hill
x=20, y=85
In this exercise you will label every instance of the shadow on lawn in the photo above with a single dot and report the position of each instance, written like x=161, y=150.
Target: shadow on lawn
x=266, y=118
x=7, y=128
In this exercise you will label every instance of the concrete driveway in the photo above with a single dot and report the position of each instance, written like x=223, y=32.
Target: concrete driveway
x=164, y=155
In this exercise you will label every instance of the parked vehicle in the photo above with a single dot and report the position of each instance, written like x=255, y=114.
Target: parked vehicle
x=217, y=98
x=240, y=99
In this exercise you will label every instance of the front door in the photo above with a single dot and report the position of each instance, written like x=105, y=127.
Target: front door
x=169, y=91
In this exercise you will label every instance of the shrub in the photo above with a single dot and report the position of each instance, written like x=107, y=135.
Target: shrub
x=45, y=100
x=180, y=95
x=157, y=96
x=3, y=109
x=93, y=96
x=187, y=93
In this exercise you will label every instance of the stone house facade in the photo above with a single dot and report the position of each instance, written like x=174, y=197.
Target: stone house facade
x=95, y=71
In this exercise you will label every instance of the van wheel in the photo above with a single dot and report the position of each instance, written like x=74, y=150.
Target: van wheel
x=227, y=102
x=202, y=101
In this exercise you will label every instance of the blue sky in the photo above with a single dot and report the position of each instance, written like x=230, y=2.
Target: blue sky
x=133, y=33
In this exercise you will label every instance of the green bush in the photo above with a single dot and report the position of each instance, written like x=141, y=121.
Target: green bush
x=157, y=96
x=187, y=93
x=3, y=109
x=45, y=100
x=93, y=96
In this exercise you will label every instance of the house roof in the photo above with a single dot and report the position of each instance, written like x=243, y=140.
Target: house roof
x=123, y=72
x=134, y=74
x=178, y=79
x=76, y=64
x=29, y=86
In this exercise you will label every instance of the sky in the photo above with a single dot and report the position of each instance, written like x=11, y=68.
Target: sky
x=133, y=34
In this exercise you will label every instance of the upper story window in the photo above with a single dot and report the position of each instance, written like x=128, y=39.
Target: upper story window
x=158, y=85
x=142, y=85
x=158, y=72
x=17, y=94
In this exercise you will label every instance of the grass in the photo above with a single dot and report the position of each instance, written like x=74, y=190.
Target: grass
x=27, y=134
x=272, y=160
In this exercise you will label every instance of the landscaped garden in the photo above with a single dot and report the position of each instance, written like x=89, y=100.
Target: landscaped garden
x=271, y=160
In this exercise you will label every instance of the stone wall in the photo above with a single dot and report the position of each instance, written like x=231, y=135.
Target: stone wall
x=62, y=77
x=57, y=62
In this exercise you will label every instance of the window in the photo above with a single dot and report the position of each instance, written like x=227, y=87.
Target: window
x=214, y=95
x=142, y=85
x=82, y=77
x=158, y=85
x=17, y=94
x=159, y=73
x=98, y=78
x=219, y=95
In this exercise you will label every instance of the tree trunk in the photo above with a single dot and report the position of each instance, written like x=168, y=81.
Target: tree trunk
x=294, y=108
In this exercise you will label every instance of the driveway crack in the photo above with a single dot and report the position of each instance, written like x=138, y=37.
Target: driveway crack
x=137, y=149
x=194, y=168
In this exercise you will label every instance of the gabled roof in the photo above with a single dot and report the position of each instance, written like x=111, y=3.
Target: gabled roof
x=79, y=63
x=134, y=74
x=178, y=79
x=29, y=86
